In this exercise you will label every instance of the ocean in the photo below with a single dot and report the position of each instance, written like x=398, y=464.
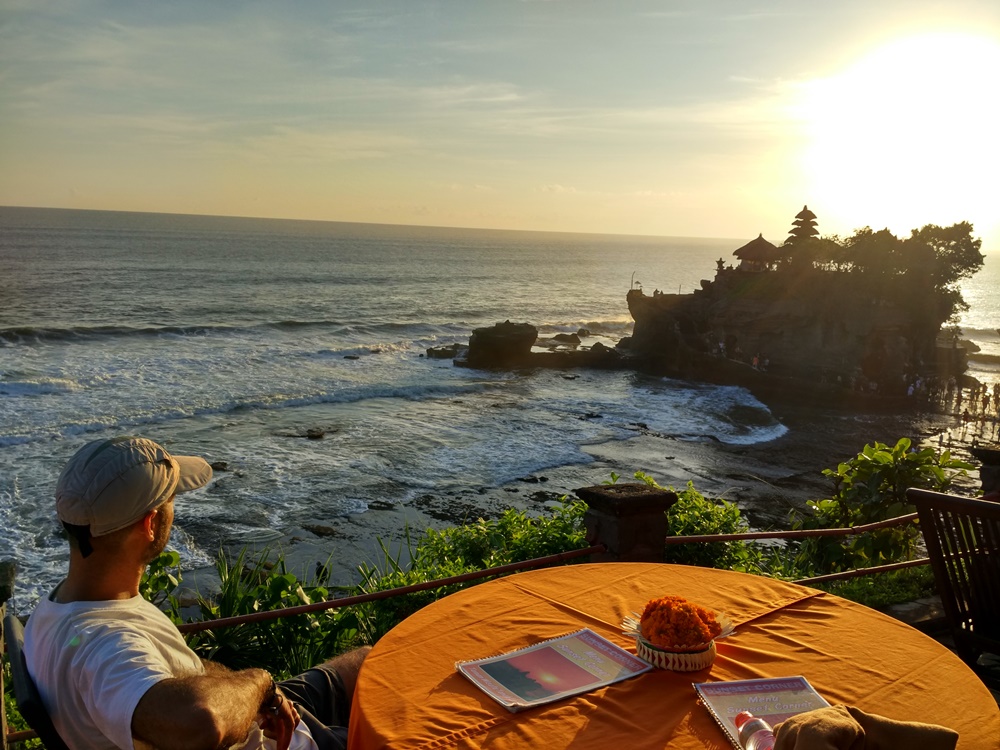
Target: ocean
x=232, y=338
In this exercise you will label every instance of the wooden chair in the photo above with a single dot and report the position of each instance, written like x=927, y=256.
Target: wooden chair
x=26, y=695
x=963, y=543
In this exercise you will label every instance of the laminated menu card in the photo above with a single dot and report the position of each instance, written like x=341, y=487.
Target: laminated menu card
x=548, y=671
x=773, y=699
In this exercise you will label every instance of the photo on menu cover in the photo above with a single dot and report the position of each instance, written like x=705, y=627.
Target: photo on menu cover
x=553, y=669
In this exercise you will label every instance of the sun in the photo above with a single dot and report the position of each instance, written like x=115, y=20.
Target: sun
x=908, y=135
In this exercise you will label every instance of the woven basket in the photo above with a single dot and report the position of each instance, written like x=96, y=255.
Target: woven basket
x=678, y=661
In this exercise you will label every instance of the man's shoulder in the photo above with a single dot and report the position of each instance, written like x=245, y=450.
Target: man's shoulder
x=86, y=626
x=124, y=613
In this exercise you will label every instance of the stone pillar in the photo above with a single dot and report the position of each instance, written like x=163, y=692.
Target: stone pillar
x=629, y=518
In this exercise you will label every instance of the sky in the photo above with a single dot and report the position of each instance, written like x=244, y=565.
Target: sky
x=709, y=118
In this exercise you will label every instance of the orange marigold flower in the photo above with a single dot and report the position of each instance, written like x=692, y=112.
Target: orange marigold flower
x=673, y=622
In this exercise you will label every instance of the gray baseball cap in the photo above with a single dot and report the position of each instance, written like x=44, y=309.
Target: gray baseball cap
x=110, y=484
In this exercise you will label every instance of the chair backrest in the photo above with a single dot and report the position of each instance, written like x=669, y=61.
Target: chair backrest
x=962, y=535
x=29, y=702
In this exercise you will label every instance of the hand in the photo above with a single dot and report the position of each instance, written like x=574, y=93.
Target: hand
x=278, y=720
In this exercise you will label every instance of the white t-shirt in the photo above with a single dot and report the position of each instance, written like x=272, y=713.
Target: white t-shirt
x=93, y=661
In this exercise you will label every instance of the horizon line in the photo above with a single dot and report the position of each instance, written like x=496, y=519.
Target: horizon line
x=372, y=223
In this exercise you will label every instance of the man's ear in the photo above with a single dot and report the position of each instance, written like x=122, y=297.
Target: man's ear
x=148, y=523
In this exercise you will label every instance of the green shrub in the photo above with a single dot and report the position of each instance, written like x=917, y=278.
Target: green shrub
x=289, y=645
x=872, y=487
x=514, y=537
x=284, y=646
x=159, y=581
x=694, y=514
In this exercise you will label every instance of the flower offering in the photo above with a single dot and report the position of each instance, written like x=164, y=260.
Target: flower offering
x=674, y=623
x=673, y=633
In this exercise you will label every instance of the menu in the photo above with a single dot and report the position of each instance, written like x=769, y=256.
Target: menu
x=773, y=699
x=551, y=670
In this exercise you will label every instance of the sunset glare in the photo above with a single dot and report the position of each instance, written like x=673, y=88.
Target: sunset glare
x=907, y=133
x=717, y=119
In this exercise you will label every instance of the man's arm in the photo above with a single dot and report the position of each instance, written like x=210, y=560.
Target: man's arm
x=209, y=711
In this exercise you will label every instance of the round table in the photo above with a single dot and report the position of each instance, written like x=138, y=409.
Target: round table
x=409, y=695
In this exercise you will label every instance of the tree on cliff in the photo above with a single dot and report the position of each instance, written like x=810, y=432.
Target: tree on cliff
x=923, y=269
x=949, y=254
x=917, y=275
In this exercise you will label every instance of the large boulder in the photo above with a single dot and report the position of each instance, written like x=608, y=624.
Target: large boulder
x=502, y=345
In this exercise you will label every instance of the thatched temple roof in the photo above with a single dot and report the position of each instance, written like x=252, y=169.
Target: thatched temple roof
x=758, y=250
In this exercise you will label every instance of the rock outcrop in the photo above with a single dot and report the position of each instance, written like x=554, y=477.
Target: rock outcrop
x=509, y=345
x=785, y=328
x=503, y=345
x=449, y=351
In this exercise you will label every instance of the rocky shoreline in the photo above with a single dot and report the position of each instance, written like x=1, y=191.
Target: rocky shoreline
x=767, y=480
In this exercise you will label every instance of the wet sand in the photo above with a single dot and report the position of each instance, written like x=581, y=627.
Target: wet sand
x=767, y=481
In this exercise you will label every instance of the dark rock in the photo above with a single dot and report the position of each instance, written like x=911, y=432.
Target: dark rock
x=567, y=338
x=544, y=496
x=570, y=377
x=351, y=356
x=446, y=352
x=508, y=345
x=220, y=466
x=8, y=573
x=321, y=530
x=503, y=345
x=583, y=332
x=311, y=433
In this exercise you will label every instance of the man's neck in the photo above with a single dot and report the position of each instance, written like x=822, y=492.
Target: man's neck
x=93, y=583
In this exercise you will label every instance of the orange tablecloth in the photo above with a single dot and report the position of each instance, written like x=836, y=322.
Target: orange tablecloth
x=410, y=696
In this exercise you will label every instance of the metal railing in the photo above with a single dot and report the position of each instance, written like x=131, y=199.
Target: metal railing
x=812, y=533
x=274, y=614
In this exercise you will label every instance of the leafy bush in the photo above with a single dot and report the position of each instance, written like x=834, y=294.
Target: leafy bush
x=159, y=581
x=284, y=646
x=694, y=514
x=514, y=537
x=868, y=488
x=290, y=645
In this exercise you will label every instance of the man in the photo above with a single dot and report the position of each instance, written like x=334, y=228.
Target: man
x=112, y=669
